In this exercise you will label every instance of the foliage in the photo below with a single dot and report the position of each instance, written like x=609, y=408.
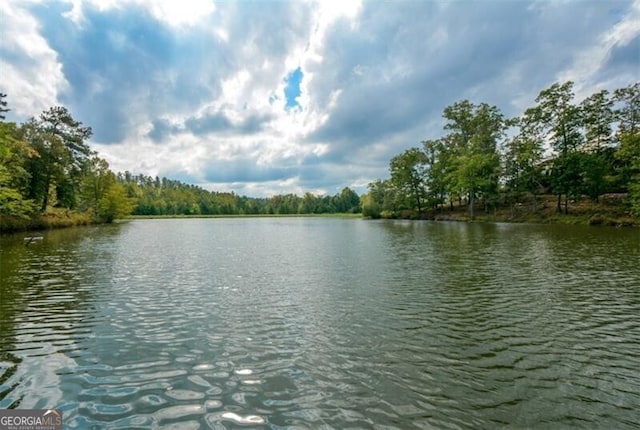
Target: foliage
x=49, y=176
x=629, y=157
x=46, y=163
x=162, y=196
x=408, y=177
x=114, y=203
x=60, y=142
x=592, y=148
x=13, y=155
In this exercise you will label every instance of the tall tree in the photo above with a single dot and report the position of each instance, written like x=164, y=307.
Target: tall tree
x=597, y=117
x=437, y=172
x=408, y=177
x=629, y=169
x=60, y=142
x=115, y=204
x=380, y=198
x=522, y=159
x=560, y=121
x=14, y=153
x=346, y=201
x=628, y=111
x=472, y=142
x=96, y=181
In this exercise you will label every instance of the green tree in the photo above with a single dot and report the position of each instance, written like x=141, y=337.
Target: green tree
x=14, y=153
x=629, y=156
x=346, y=201
x=628, y=109
x=60, y=142
x=309, y=204
x=437, y=172
x=475, y=131
x=370, y=208
x=96, y=182
x=381, y=199
x=408, y=177
x=594, y=167
x=522, y=161
x=115, y=204
x=597, y=117
x=560, y=122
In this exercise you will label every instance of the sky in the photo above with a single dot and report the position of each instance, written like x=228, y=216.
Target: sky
x=275, y=97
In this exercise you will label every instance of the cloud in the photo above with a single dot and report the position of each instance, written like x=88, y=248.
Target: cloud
x=32, y=74
x=211, y=123
x=246, y=170
x=128, y=68
x=591, y=64
x=174, y=13
x=288, y=96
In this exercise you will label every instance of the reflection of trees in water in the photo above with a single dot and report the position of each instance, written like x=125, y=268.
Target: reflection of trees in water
x=46, y=293
x=12, y=250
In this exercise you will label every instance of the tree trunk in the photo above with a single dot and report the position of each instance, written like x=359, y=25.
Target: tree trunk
x=471, y=202
x=559, y=208
x=566, y=204
x=45, y=199
x=418, y=201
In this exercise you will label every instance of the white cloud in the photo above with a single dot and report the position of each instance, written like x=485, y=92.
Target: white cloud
x=588, y=62
x=179, y=12
x=34, y=78
x=201, y=95
x=174, y=13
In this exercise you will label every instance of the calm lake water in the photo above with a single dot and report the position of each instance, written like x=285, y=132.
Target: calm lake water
x=323, y=323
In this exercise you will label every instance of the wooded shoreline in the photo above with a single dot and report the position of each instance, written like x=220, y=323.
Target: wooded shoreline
x=559, y=162
x=585, y=213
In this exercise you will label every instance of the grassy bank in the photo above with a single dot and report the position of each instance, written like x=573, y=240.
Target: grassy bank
x=609, y=211
x=53, y=218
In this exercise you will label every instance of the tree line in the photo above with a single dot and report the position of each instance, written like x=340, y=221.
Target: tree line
x=560, y=147
x=162, y=196
x=48, y=168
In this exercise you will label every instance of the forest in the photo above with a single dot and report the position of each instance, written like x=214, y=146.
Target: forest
x=486, y=161
x=162, y=196
x=50, y=177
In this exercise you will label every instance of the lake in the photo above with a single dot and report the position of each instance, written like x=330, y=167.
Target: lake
x=323, y=323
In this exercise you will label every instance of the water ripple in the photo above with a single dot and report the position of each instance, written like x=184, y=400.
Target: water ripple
x=323, y=324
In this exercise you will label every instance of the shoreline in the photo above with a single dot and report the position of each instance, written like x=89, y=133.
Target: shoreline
x=590, y=215
x=607, y=213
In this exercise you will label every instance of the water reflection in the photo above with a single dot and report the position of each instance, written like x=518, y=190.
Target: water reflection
x=46, y=307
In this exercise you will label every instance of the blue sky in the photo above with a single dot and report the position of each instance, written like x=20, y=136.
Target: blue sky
x=267, y=97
